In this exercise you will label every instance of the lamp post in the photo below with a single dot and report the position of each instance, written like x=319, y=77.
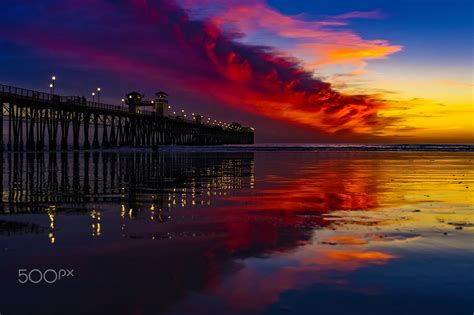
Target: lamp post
x=53, y=78
x=93, y=96
x=169, y=108
x=98, y=95
x=51, y=87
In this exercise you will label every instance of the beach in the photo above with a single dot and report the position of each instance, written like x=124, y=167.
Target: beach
x=239, y=231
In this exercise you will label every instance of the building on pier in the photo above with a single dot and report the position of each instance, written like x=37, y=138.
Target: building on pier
x=157, y=106
x=134, y=102
x=161, y=103
x=198, y=119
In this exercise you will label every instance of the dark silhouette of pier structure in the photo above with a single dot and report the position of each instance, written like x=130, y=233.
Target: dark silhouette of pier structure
x=37, y=120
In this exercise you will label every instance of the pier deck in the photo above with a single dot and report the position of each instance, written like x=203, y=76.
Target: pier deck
x=37, y=120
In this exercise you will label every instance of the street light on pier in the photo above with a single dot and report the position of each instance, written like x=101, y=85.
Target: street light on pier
x=169, y=108
x=98, y=95
x=93, y=96
x=53, y=83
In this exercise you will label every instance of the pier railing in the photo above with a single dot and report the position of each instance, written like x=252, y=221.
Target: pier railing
x=53, y=98
x=30, y=94
x=78, y=101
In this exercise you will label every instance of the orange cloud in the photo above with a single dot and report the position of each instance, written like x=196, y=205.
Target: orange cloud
x=316, y=42
x=350, y=53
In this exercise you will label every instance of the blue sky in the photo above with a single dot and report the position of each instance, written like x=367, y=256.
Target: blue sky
x=113, y=44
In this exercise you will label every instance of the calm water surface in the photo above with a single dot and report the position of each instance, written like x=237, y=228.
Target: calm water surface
x=239, y=232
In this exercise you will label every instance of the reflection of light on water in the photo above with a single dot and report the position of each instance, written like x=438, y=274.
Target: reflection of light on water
x=96, y=226
x=96, y=230
x=342, y=190
x=51, y=219
x=51, y=211
x=152, y=212
x=51, y=237
x=123, y=210
x=191, y=190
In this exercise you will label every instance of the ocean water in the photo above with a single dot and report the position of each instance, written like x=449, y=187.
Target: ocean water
x=324, y=147
x=263, y=229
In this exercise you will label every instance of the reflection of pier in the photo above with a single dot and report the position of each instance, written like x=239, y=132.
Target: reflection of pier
x=35, y=182
x=35, y=119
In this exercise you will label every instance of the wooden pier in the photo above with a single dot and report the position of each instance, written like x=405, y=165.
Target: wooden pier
x=37, y=121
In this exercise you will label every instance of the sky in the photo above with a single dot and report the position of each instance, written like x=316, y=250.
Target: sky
x=296, y=71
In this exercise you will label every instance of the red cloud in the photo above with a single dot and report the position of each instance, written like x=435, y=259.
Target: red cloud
x=157, y=40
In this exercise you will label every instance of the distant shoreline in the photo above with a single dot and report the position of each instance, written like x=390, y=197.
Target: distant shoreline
x=326, y=147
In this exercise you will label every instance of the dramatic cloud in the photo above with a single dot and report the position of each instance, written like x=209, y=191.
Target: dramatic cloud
x=317, y=42
x=159, y=40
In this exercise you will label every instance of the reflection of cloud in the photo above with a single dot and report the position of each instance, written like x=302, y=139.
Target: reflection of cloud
x=334, y=185
x=369, y=256
x=344, y=240
x=252, y=289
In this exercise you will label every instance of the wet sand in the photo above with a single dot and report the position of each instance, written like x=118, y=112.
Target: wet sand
x=239, y=232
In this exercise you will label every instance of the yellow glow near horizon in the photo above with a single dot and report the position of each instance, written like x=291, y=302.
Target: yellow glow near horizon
x=426, y=108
